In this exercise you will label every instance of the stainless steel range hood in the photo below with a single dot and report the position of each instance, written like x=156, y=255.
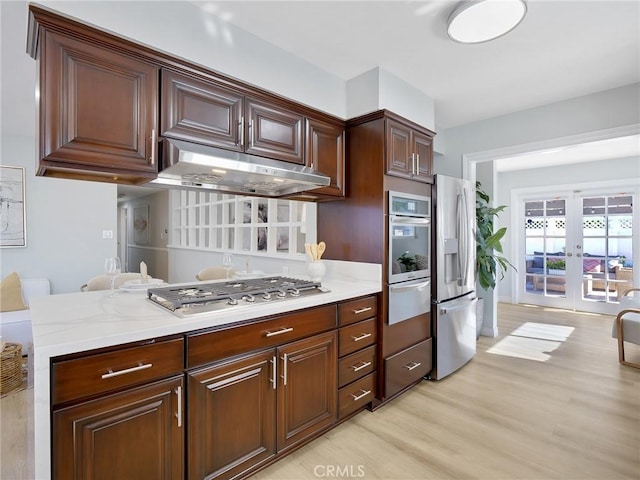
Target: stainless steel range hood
x=193, y=166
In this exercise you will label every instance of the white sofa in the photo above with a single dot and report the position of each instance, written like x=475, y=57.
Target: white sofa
x=15, y=327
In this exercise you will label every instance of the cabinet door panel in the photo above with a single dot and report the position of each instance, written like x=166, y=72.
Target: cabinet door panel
x=325, y=153
x=198, y=111
x=422, y=146
x=133, y=434
x=399, y=160
x=98, y=107
x=307, y=393
x=274, y=132
x=231, y=416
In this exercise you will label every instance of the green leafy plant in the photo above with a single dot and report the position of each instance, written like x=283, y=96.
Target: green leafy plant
x=489, y=261
x=408, y=261
x=556, y=264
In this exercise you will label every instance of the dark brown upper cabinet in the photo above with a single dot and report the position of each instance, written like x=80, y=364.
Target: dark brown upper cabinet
x=409, y=152
x=98, y=110
x=200, y=111
x=274, y=131
x=325, y=152
x=105, y=101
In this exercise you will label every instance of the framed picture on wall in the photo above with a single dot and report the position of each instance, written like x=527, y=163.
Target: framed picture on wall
x=141, y=225
x=13, y=222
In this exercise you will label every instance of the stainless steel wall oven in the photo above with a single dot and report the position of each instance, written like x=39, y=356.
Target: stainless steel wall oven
x=409, y=220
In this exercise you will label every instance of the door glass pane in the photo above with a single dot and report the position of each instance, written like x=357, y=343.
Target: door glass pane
x=607, y=239
x=545, y=247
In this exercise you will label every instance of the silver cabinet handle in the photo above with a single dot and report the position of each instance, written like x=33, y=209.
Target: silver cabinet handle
x=417, y=164
x=274, y=375
x=178, y=392
x=241, y=126
x=279, y=332
x=361, y=337
x=401, y=288
x=362, y=310
x=412, y=365
x=112, y=374
x=361, y=366
x=154, y=146
x=251, y=133
x=284, y=369
x=362, y=395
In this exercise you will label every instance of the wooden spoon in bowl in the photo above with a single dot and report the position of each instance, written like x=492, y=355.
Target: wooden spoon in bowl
x=321, y=248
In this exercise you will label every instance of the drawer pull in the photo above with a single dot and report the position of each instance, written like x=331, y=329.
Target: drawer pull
x=362, y=395
x=412, y=365
x=279, y=332
x=112, y=374
x=361, y=337
x=362, y=310
x=361, y=366
x=178, y=392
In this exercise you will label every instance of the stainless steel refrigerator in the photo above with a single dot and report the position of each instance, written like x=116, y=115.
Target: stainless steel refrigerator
x=453, y=295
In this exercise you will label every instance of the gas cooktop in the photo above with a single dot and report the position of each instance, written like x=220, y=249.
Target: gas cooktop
x=201, y=298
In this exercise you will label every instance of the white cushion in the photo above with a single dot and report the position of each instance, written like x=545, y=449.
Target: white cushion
x=630, y=321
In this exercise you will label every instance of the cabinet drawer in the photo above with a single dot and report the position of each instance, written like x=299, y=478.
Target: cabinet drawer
x=356, y=395
x=356, y=310
x=102, y=372
x=357, y=336
x=356, y=365
x=407, y=367
x=206, y=347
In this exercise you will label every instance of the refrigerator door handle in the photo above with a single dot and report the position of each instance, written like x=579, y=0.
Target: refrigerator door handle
x=445, y=311
x=463, y=245
x=465, y=235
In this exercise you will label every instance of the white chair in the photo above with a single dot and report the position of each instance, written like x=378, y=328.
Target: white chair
x=103, y=282
x=213, y=273
x=626, y=326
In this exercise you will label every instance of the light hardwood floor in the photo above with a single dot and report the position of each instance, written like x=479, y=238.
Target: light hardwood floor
x=562, y=408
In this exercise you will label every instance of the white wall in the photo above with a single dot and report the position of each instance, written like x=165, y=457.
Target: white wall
x=600, y=111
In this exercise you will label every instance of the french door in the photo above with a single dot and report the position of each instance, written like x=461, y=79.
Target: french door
x=579, y=249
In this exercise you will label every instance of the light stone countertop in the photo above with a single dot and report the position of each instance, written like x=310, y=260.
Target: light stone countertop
x=77, y=322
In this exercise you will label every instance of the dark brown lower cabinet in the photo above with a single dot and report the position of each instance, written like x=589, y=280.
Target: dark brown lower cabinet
x=232, y=416
x=136, y=433
x=245, y=411
x=307, y=395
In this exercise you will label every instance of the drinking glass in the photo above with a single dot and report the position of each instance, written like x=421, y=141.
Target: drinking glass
x=227, y=263
x=112, y=269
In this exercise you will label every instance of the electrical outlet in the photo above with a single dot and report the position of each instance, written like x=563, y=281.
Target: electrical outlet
x=107, y=233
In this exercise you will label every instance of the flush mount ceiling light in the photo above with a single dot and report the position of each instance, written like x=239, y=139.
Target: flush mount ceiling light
x=477, y=21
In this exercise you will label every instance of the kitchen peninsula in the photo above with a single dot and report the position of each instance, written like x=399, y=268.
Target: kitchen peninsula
x=104, y=362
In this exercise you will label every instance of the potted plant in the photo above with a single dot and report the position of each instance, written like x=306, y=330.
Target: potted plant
x=489, y=259
x=556, y=266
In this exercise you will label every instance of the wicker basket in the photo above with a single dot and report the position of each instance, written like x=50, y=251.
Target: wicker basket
x=10, y=367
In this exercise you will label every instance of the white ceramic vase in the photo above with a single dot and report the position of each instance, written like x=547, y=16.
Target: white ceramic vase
x=316, y=270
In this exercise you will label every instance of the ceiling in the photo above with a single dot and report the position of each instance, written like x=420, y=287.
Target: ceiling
x=562, y=49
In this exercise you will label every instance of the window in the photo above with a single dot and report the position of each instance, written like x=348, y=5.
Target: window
x=251, y=225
